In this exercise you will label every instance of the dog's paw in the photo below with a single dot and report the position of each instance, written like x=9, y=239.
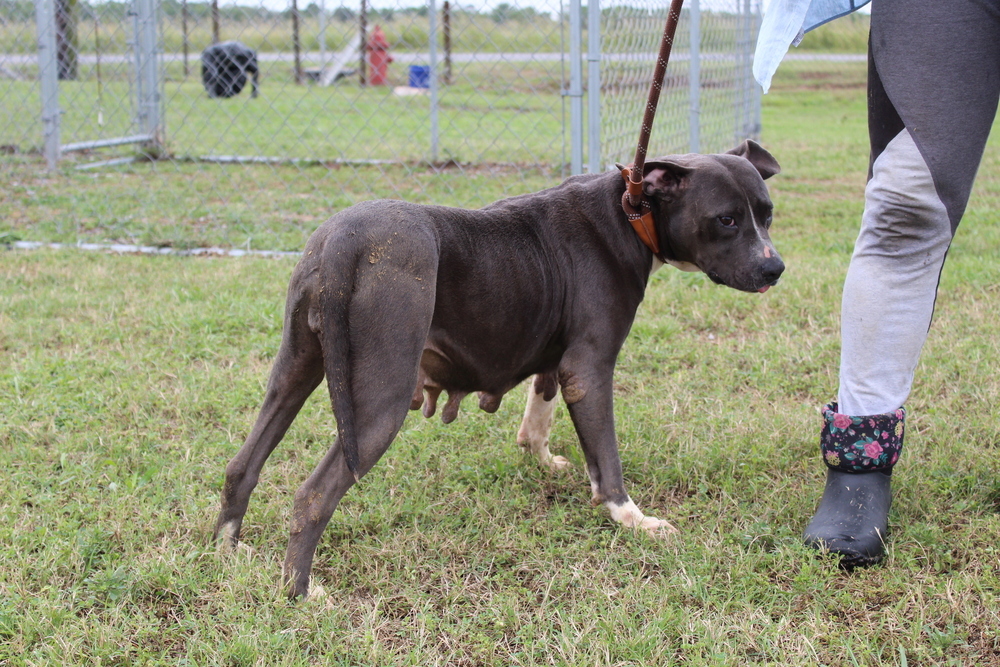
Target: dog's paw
x=630, y=516
x=317, y=596
x=541, y=452
x=657, y=528
x=558, y=463
x=227, y=540
x=227, y=537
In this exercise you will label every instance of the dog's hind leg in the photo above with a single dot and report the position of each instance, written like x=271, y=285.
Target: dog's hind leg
x=297, y=371
x=371, y=380
x=536, y=426
x=319, y=495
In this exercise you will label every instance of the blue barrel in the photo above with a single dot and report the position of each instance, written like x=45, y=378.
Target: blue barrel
x=420, y=76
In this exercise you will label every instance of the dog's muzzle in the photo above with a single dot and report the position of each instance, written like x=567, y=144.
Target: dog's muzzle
x=770, y=273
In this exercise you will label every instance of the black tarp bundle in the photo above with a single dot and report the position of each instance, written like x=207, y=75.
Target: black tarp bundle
x=225, y=66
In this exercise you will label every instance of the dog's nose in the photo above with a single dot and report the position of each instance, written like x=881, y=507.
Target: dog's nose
x=772, y=269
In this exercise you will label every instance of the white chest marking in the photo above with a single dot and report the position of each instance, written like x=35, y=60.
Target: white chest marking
x=683, y=266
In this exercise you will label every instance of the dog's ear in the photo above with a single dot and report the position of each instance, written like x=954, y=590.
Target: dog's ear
x=664, y=179
x=763, y=162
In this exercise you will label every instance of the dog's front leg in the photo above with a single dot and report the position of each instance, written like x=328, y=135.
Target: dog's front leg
x=589, y=397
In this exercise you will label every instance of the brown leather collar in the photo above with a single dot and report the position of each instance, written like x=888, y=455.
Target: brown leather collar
x=638, y=211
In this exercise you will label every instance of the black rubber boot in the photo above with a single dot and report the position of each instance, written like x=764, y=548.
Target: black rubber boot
x=852, y=519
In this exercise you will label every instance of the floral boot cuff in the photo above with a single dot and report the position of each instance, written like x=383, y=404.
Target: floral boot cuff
x=861, y=444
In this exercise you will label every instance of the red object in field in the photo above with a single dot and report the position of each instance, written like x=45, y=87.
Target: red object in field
x=378, y=57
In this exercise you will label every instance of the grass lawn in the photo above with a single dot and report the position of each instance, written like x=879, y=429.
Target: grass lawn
x=128, y=382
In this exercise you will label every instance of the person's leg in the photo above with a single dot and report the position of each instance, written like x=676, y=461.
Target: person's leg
x=891, y=284
x=933, y=87
x=886, y=310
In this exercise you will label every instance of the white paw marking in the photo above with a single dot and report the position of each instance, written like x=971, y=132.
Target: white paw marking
x=629, y=515
x=228, y=536
x=557, y=463
x=317, y=595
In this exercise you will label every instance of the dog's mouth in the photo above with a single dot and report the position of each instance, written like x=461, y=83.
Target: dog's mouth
x=717, y=279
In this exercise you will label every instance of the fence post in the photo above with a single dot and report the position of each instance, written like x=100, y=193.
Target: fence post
x=694, y=76
x=147, y=72
x=756, y=90
x=322, y=36
x=575, y=87
x=432, y=48
x=48, y=72
x=744, y=46
x=215, y=21
x=184, y=35
x=594, y=85
x=296, y=43
x=446, y=21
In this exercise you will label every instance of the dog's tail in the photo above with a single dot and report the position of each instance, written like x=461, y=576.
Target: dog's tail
x=335, y=339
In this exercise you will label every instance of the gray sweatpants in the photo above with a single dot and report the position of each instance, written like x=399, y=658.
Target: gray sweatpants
x=934, y=82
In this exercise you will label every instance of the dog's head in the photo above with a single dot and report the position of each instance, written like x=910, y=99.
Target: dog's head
x=713, y=214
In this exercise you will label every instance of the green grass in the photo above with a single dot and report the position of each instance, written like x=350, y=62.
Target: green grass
x=127, y=383
x=500, y=125
x=496, y=112
x=845, y=35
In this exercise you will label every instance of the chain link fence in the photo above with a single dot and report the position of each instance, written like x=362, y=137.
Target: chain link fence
x=710, y=101
x=131, y=104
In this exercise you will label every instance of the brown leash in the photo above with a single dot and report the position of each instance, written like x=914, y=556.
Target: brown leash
x=634, y=201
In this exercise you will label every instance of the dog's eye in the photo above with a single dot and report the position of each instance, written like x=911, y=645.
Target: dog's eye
x=727, y=220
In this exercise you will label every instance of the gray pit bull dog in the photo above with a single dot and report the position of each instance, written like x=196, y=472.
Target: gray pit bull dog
x=396, y=302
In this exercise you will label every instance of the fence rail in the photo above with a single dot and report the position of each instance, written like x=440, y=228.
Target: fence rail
x=515, y=97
